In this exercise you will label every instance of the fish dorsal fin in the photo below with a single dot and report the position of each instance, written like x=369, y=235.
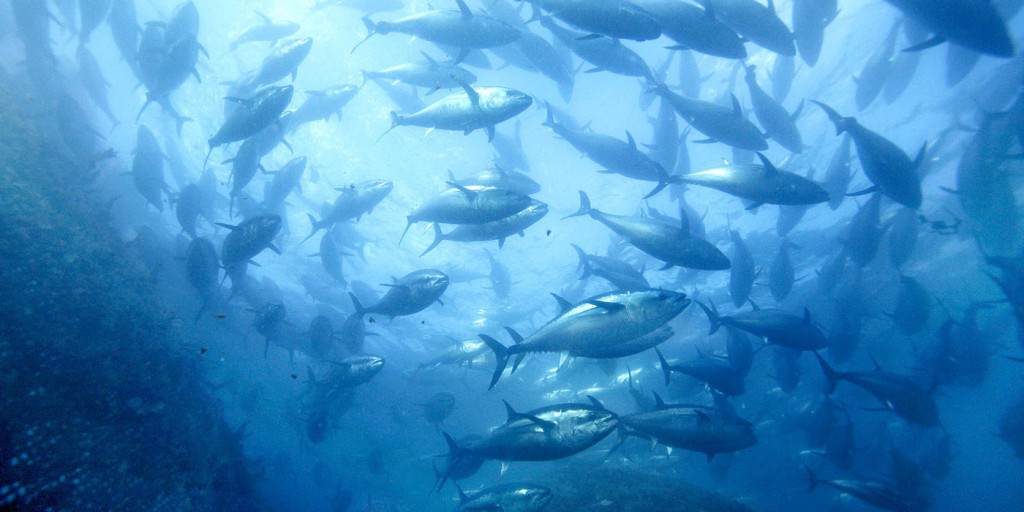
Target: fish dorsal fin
x=511, y=413
x=769, y=167
x=702, y=416
x=433, y=63
x=465, y=190
x=736, y=106
x=632, y=143
x=516, y=337
x=754, y=305
x=264, y=16
x=726, y=162
x=563, y=305
x=466, y=12
x=462, y=494
x=684, y=224
x=597, y=403
x=659, y=402
x=610, y=307
x=771, y=6
x=807, y=314
x=875, y=362
x=451, y=176
x=474, y=97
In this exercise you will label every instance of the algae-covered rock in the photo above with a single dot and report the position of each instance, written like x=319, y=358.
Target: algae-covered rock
x=622, y=490
x=102, y=402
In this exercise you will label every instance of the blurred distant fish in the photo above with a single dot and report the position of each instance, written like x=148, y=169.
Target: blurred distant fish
x=321, y=105
x=969, y=23
x=617, y=19
x=718, y=123
x=776, y=326
x=695, y=27
x=885, y=164
x=283, y=60
x=756, y=22
x=92, y=13
x=148, y=168
x=506, y=497
x=430, y=74
x=367, y=6
x=899, y=393
x=605, y=54
x=462, y=29
x=124, y=27
x=269, y=31
x=468, y=205
x=776, y=121
x=672, y=244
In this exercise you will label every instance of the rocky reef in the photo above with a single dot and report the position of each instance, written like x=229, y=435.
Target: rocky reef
x=102, y=405
x=608, y=488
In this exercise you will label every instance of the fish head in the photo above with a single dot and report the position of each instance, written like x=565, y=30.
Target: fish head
x=376, y=189
x=660, y=306
x=536, y=209
x=533, y=498
x=303, y=44
x=275, y=98
x=510, y=101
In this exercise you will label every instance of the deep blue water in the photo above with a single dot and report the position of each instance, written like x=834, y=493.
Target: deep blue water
x=377, y=447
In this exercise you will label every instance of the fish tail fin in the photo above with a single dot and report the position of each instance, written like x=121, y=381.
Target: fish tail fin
x=371, y=29
x=438, y=238
x=584, y=263
x=207, y=159
x=713, y=317
x=839, y=121
x=812, y=479
x=830, y=374
x=455, y=455
x=500, y=356
x=407, y=226
x=143, y=109
x=665, y=368
x=396, y=121
x=585, y=208
x=316, y=226
x=360, y=310
x=550, y=120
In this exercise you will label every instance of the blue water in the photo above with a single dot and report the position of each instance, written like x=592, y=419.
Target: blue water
x=379, y=450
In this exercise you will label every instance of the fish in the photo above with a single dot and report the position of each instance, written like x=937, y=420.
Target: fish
x=500, y=178
x=148, y=168
x=187, y=208
x=872, y=77
x=779, y=124
x=913, y=307
x=460, y=28
x=510, y=155
x=320, y=105
x=974, y=25
x=286, y=180
x=268, y=31
x=695, y=428
x=629, y=348
x=202, y=269
x=468, y=111
x=615, y=155
x=347, y=373
x=760, y=184
x=884, y=163
x=497, y=230
x=92, y=12
x=501, y=281
x=469, y=205
x=669, y=243
x=695, y=27
x=283, y=61
x=604, y=53
x=252, y=116
x=549, y=433
x=755, y=22
x=776, y=326
x=600, y=321
x=409, y=295
x=718, y=123
x=507, y=497
x=352, y=203
x=617, y=19
x=717, y=372
x=248, y=239
x=898, y=393
x=321, y=336
x=838, y=174
x=92, y=79
x=619, y=273
x=810, y=18
x=429, y=74
x=780, y=274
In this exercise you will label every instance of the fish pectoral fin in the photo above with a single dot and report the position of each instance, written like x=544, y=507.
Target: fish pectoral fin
x=611, y=307
x=504, y=466
x=544, y=424
x=274, y=248
x=935, y=41
x=490, y=132
x=705, y=141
